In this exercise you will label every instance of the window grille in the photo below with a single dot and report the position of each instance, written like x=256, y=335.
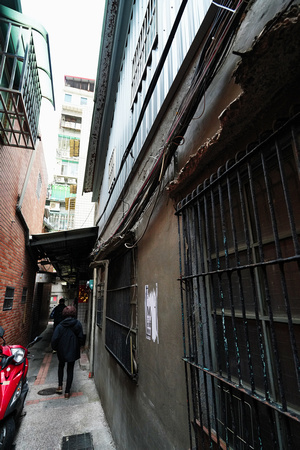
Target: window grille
x=240, y=252
x=120, y=332
x=100, y=302
x=20, y=90
x=146, y=41
x=8, y=299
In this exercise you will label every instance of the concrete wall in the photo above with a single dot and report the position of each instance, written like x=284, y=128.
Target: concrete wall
x=153, y=413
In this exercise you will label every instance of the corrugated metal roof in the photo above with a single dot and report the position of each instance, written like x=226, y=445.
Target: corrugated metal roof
x=68, y=251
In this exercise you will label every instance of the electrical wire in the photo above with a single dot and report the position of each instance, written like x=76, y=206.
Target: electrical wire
x=219, y=40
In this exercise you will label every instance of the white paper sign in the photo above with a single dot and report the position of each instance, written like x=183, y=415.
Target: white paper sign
x=151, y=313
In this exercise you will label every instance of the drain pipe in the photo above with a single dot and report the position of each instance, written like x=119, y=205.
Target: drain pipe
x=27, y=176
x=102, y=265
x=91, y=372
x=21, y=198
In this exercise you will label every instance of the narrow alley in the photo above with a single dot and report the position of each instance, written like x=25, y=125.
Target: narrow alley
x=52, y=422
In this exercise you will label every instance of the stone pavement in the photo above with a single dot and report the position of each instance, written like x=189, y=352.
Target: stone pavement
x=52, y=422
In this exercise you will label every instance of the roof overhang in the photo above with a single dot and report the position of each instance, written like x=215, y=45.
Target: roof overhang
x=68, y=251
x=114, y=29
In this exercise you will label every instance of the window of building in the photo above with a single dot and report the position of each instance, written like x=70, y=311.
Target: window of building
x=83, y=100
x=80, y=83
x=68, y=98
x=39, y=186
x=240, y=242
x=63, y=142
x=74, y=147
x=24, y=295
x=71, y=122
x=120, y=332
x=8, y=299
x=69, y=168
x=142, y=55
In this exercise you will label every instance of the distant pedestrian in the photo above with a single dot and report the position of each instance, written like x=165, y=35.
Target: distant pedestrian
x=56, y=313
x=66, y=340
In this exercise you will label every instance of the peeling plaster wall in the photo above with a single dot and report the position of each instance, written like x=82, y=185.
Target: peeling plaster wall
x=260, y=91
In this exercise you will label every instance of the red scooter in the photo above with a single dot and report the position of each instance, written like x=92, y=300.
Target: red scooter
x=13, y=387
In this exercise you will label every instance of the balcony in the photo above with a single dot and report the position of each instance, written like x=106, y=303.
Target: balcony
x=25, y=77
x=70, y=125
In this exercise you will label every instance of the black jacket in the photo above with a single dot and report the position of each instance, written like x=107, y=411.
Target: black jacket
x=57, y=313
x=67, y=339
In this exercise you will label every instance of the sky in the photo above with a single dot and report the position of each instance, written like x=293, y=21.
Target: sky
x=74, y=29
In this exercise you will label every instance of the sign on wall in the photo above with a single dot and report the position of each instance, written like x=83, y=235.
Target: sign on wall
x=151, y=313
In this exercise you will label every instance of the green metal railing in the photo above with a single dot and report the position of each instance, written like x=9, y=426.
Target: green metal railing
x=21, y=78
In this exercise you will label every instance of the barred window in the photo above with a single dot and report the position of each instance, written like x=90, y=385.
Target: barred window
x=240, y=240
x=100, y=302
x=146, y=41
x=120, y=335
x=8, y=299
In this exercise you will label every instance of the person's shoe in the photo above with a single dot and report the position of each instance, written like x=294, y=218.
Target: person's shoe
x=59, y=390
x=67, y=395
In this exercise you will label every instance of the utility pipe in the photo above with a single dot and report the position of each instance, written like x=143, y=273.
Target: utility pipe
x=103, y=265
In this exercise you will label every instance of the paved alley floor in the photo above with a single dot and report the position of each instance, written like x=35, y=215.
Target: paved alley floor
x=52, y=422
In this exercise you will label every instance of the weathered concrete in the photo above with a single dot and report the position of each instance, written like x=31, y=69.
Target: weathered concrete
x=51, y=417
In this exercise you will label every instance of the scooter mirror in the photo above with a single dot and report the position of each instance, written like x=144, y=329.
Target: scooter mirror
x=1, y=332
x=37, y=339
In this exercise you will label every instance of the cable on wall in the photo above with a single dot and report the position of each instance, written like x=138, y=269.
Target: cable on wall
x=216, y=46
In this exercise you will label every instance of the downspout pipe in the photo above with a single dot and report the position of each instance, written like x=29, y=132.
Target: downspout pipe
x=22, y=195
x=94, y=299
x=96, y=265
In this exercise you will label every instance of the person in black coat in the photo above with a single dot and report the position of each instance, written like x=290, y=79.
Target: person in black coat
x=66, y=341
x=57, y=312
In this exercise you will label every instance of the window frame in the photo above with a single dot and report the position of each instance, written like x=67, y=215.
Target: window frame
x=8, y=298
x=120, y=312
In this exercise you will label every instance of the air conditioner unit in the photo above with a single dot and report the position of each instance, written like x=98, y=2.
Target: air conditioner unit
x=54, y=206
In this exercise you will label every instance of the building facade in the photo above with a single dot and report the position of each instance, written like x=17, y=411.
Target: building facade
x=194, y=163
x=69, y=207
x=23, y=173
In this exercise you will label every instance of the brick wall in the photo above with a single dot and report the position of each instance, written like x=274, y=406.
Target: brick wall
x=17, y=268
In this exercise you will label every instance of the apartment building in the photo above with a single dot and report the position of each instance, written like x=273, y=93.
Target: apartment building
x=68, y=207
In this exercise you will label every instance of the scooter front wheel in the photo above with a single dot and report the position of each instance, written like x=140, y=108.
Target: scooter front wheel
x=7, y=433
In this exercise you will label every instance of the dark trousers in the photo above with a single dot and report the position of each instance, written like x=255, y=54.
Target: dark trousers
x=70, y=372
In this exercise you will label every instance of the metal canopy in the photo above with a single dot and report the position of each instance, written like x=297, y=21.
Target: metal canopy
x=68, y=251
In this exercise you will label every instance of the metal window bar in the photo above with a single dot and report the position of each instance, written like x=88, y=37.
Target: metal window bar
x=20, y=91
x=239, y=262
x=120, y=330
